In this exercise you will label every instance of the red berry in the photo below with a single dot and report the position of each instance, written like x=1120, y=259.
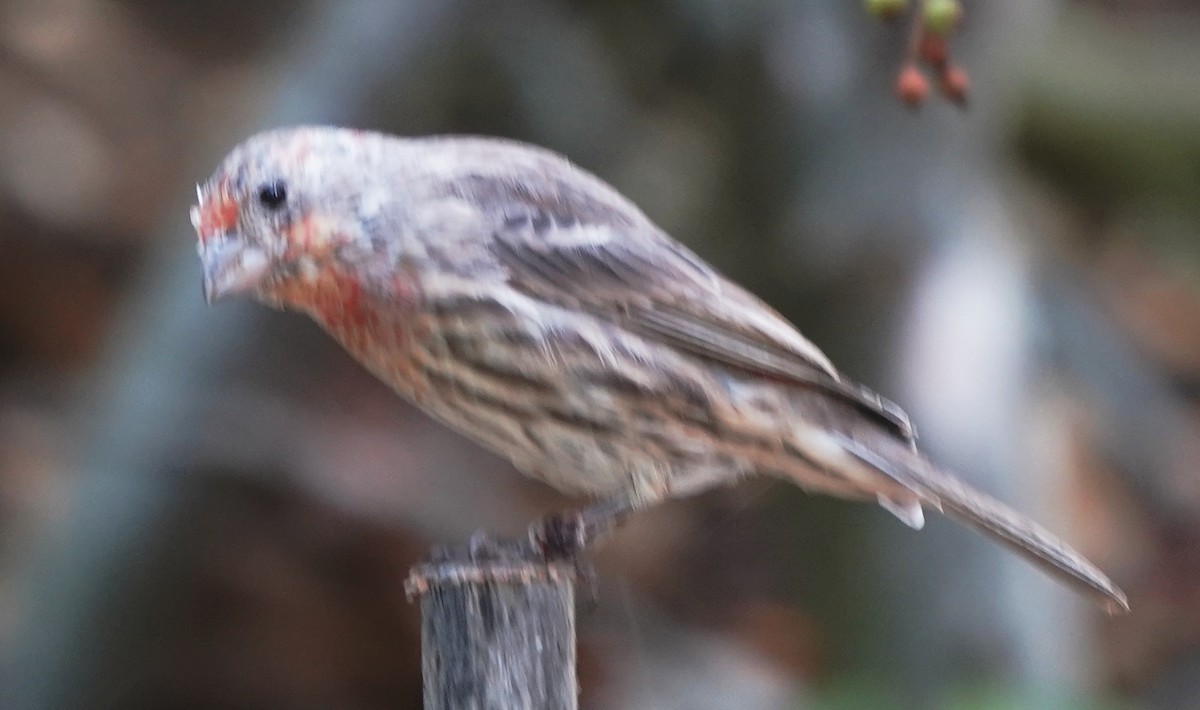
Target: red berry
x=954, y=84
x=911, y=86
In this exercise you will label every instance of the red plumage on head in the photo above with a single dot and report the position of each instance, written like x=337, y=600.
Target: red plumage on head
x=216, y=213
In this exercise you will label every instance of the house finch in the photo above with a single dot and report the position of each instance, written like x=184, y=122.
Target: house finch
x=525, y=303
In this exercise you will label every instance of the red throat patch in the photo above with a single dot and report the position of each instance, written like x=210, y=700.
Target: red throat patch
x=216, y=212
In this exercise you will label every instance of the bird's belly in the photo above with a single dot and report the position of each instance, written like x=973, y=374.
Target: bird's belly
x=562, y=440
x=593, y=415
x=577, y=460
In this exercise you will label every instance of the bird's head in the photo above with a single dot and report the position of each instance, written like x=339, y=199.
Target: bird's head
x=279, y=210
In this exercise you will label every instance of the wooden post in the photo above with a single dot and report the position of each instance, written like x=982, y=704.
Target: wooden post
x=497, y=630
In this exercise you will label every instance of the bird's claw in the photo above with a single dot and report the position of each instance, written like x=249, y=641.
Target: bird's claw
x=482, y=546
x=561, y=536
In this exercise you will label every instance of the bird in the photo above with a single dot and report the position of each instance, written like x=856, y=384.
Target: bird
x=525, y=303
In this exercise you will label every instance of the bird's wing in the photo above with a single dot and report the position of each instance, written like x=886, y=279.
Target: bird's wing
x=563, y=246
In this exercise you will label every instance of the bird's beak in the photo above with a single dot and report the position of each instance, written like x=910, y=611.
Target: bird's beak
x=231, y=267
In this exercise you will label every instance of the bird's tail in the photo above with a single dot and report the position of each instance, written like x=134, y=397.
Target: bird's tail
x=913, y=472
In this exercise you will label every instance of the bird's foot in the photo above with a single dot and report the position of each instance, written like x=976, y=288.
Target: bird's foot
x=565, y=535
x=562, y=537
x=559, y=536
x=482, y=546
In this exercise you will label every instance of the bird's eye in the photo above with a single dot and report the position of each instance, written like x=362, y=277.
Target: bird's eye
x=273, y=194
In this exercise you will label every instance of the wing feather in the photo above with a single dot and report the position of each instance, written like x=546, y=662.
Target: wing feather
x=611, y=261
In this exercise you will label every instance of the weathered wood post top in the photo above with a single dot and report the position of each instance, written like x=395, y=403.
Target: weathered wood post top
x=497, y=629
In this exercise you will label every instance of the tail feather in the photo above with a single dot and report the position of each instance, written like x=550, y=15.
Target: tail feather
x=990, y=516
x=906, y=508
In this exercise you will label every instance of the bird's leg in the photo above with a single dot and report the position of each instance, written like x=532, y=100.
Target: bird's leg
x=565, y=535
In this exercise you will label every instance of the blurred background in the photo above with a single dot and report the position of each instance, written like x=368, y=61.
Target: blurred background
x=216, y=508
